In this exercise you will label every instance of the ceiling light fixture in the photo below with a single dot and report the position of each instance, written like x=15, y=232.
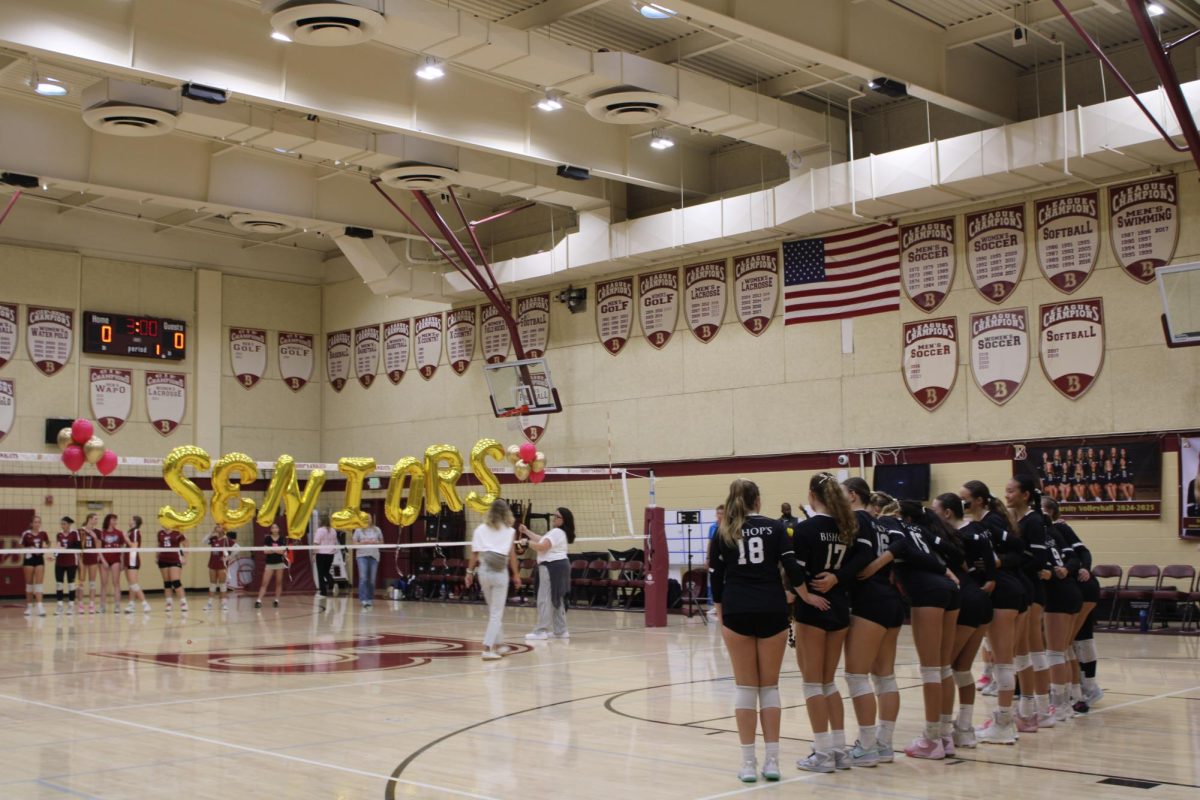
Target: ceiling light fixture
x=660, y=141
x=279, y=36
x=888, y=87
x=652, y=10
x=49, y=87
x=1155, y=9
x=551, y=102
x=431, y=70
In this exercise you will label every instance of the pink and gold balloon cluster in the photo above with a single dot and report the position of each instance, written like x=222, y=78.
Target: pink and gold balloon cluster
x=528, y=462
x=80, y=446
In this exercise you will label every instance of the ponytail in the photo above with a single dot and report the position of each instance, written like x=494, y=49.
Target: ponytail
x=980, y=491
x=1050, y=508
x=827, y=489
x=952, y=503
x=885, y=503
x=859, y=488
x=1029, y=485
x=743, y=496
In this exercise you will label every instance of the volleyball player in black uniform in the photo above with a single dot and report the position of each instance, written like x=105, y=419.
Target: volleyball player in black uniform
x=1125, y=477
x=1109, y=482
x=1083, y=665
x=1063, y=603
x=1024, y=500
x=744, y=559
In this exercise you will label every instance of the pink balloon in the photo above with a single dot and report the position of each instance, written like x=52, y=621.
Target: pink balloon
x=107, y=463
x=537, y=477
x=81, y=431
x=72, y=457
x=528, y=452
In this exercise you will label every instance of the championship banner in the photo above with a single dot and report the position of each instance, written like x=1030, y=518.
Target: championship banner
x=8, y=405
x=337, y=358
x=1000, y=352
x=1144, y=224
x=493, y=333
x=1071, y=344
x=1189, y=479
x=395, y=349
x=366, y=354
x=111, y=391
x=658, y=306
x=248, y=355
x=704, y=294
x=1068, y=238
x=931, y=360
x=927, y=262
x=428, y=343
x=996, y=251
x=614, y=313
x=756, y=289
x=534, y=427
x=296, y=359
x=533, y=324
x=166, y=400
x=49, y=337
x=1098, y=478
x=8, y=332
x=460, y=338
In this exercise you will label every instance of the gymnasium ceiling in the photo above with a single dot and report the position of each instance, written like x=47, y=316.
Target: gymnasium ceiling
x=306, y=127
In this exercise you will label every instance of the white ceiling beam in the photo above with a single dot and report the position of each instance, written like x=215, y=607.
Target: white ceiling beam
x=680, y=49
x=549, y=12
x=1030, y=15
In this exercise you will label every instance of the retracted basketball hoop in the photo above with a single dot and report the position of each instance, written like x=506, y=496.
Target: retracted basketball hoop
x=522, y=388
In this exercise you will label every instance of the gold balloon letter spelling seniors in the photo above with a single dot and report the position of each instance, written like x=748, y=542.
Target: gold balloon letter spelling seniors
x=351, y=516
x=285, y=490
x=226, y=488
x=483, y=450
x=397, y=511
x=440, y=483
x=173, y=464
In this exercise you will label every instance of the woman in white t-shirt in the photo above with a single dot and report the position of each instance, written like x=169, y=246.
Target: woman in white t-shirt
x=554, y=575
x=493, y=554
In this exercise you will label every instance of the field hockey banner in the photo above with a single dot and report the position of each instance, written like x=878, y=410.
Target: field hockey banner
x=166, y=400
x=1144, y=224
x=248, y=355
x=1068, y=238
x=756, y=289
x=395, y=349
x=8, y=332
x=111, y=391
x=614, y=313
x=1000, y=352
x=1099, y=478
x=49, y=336
x=996, y=251
x=295, y=359
x=927, y=262
x=533, y=324
x=1071, y=344
x=366, y=355
x=337, y=358
x=658, y=306
x=493, y=334
x=1189, y=480
x=460, y=338
x=8, y=405
x=427, y=343
x=931, y=360
x=704, y=296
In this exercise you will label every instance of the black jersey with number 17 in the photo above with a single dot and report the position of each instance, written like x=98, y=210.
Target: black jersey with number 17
x=745, y=575
x=819, y=547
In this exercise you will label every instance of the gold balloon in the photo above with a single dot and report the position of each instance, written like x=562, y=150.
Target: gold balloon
x=351, y=516
x=285, y=490
x=173, y=464
x=65, y=439
x=521, y=470
x=539, y=462
x=513, y=453
x=93, y=449
x=397, y=511
x=440, y=483
x=484, y=449
x=227, y=488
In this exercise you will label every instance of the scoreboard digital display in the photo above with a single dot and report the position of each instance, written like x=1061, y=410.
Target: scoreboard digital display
x=134, y=336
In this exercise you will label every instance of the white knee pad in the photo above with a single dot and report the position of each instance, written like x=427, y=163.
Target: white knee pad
x=39, y=588
x=70, y=587
x=745, y=697
x=224, y=588
x=963, y=679
x=829, y=689
x=812, y=690
x=947, y=672
x=1040, y=662
x=94, y=586
x=1022, y=662
x=29, y=588
x=135, y=587
x=1070, y=653
x=59, y=586
x=1055, y=657
x=931, y=674
x=857, y=684
x=1086, y=650
x=212, y=588
x=884, y=684
x=768, y=697
x=1006, y=677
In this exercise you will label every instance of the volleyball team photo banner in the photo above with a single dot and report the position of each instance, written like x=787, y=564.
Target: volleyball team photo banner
x=111, y=392
x=927, y=262
x=166, y=400
x=1099, y=479
x=49, y=337
x=396, y=344
x=248, y=355
x=296, y=359
x=1068, y=239
x=1071, y=344
x=614, y=313
x=930, y=360
x=1144, y=224
x=1000, y=352
x=366, y=354
x=705, y=293
x=493, y=333
x=658, y=306
x=337, y=358
x=8, y=332
x=1189, y=484
x=460, y=338
x=996, y=251
x=756, y=289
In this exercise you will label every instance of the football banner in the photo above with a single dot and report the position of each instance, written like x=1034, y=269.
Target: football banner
x=1071, y=344
x=248, y=355
x=1068, y=238
x=8, y=405
x=533, y=324
x=460, y=338
x=295, y=359
x=614, y=313
x=337, y=358
x=927, y=262
x=166, y=400
x=366, y=354
x=395, y=348
x=1144, y=224
x=996, y=251
x=48, y=337
x=8, y=332
x=704, y=297
x=931, y=360
x=1000, y=352
x=1098, y=478
x=756, y=289
x=427, y=333
x=658, y=306
x=111, y=391
x=493, y=333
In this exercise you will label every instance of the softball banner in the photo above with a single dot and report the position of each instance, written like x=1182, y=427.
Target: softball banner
x=1068, y=238
x=1071, y=344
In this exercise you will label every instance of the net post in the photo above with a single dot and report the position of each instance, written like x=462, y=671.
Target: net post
x=657, y=566
x=628, y=509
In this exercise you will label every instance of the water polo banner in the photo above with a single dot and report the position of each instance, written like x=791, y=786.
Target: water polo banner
x=1000, y=352
x=614, y=313
x=8, y=332
x=8, y=405
x=533, y=324
x=1144, y=225
x=366, y=355
x=337, y=358
x=395, y=349
x=460, y=338
x=296, y=359
x=704, y=296
x=658, y=306
x=927, y=262
x=248, y=355
x=166, y=400
x=996, y=251
x=1071, y=344
x=1099, y=478
x=427, y=343
x=930, y=360
x=494, y=334
x=111, y=391
x=756, y=289
x=49, y=336
x=1068, y=239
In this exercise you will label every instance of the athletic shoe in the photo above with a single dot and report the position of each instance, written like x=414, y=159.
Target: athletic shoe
x=145, y=607
x=129, y=607
x=964, y=737
x=948, y=745
x=58, y=609
x=841, y=759
x=861, y=757
x=491, y=655
x=183, y=606
x=749, y=772
x=275, y=603
x=885, y=752
x=41, y=609
x=770, y=769
x=1093, y=695
x=208, y=606
x=1026, y=724
x=817, y=762
x=70, y=609
x=92, y=608
x=28, y=610
x=537, y=635
x=168, y=605
x=102, y=609
x=1081, y=707
x=1045, y=719
x=923, y=747
x=1063, y=712
x=996, y=732
x=984, y=681
x=224, y=605
x=258, y=603
x=117, y=609
x=563, y=635
x=991, y=690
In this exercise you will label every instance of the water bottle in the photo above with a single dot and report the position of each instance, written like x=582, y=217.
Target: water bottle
x=1144, y=620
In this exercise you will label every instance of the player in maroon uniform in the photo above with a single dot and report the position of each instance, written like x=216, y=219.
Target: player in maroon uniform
x=89, y=543
x=131, y=562
x=111, y=538
x=218, y=562
x=66, y=564
x=170, y=564
x=34, y=565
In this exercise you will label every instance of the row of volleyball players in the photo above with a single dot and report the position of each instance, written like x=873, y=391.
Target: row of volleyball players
x=854, y=566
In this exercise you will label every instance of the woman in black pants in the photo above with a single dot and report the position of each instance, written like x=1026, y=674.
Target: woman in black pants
x=327, y=544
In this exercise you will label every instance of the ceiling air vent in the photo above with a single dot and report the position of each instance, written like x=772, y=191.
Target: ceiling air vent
x=326, y=24
x=130, y=109
x=248, y=222
x=419, y=176
x=632, y=107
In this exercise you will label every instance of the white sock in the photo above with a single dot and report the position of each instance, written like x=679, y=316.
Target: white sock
x=772, y=751
x=885, y=730
x=1076, y=691
x=823, y=742
x=866, y=736
x=965, y=713
x=839, y=739
x=748, y=753
x=989, y=669
x=1026, y=705
x=1088, y=683
x=1043, y=703
x=933, y=731
x=946, y=725
x=1058, y=693
x=1005, y=714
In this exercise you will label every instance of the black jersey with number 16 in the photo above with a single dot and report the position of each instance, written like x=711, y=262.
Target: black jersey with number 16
x=745, y=576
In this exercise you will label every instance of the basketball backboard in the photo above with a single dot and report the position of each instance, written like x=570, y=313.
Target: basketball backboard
x=522, y=388
x=1179, y=287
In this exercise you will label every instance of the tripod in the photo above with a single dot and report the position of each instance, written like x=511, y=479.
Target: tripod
x=690, y=591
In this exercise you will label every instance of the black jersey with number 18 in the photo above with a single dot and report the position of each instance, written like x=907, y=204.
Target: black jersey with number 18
x=745, y=575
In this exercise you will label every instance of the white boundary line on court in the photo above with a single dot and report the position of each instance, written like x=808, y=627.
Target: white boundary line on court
x=761, y=786
x=1141, y=700
x=244, y=748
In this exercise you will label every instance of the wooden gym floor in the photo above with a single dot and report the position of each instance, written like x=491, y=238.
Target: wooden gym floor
x=396, y=703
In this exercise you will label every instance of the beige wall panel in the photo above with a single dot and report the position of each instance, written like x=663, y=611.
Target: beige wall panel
x=639, y=371
x=685, y=426
x=811, y=351
x=788, y=418
x=728, y=362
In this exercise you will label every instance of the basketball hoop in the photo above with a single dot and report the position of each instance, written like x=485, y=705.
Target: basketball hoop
x=516, y=411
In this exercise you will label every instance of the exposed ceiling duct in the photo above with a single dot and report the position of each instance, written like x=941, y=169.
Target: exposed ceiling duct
x=121, y=108
x=336, y=23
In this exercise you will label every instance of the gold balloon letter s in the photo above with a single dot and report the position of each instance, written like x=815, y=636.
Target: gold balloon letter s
x=173, y=464
x=484, y=449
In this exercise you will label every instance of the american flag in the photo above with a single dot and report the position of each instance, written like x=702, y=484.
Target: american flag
x=851, y=274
